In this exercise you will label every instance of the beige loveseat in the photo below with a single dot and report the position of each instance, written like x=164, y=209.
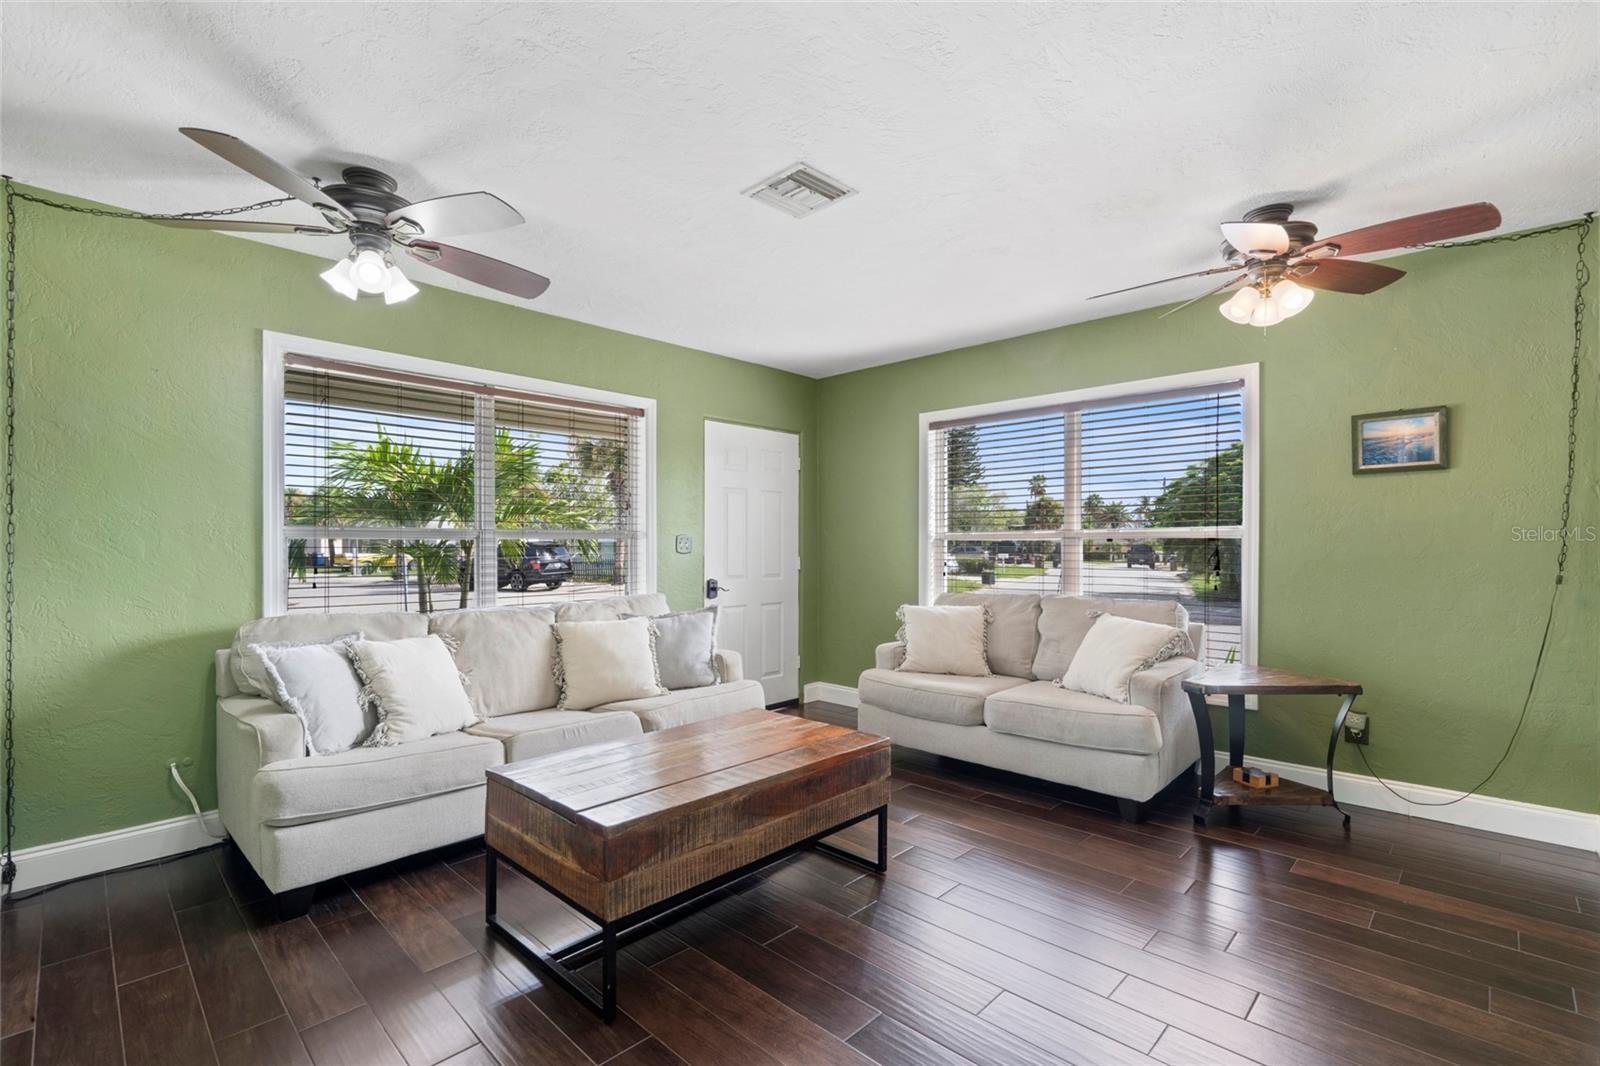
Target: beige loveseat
x=1019, y=720
x=301, y=819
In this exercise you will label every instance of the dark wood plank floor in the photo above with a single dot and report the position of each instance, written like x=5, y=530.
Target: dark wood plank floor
x=1020, y=923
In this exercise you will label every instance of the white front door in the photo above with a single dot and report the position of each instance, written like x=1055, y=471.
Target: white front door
x=753, y=550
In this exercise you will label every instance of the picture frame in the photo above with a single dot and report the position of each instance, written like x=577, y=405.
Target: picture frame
x=1416, y=438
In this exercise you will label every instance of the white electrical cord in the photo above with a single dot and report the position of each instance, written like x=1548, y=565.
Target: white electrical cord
x=194, y=803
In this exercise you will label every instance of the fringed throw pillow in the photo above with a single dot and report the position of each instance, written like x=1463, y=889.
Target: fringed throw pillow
x=945, y=640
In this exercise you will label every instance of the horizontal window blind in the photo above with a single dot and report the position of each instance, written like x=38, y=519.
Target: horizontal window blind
x=405, y=492
x=1141, y=498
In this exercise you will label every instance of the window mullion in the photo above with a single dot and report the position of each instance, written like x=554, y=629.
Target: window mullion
x=487, y=550
x=1072, y=505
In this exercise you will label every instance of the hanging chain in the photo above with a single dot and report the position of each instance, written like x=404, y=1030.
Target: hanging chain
x=1580, y=308
x=106, y=212
x=8, y=867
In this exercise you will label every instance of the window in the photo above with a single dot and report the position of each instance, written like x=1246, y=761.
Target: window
x=403, y=484
x=1139, y=491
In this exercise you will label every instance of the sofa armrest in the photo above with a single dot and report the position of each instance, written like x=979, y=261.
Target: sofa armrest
x=1161, y=686
x=889, y=656
x=259, y=729
x=730, y=665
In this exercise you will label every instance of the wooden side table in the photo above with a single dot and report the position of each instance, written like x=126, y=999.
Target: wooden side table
x=1237, y=681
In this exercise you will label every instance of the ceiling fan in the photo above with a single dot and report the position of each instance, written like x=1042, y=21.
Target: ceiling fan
x=1281, y=262
x=366, y=208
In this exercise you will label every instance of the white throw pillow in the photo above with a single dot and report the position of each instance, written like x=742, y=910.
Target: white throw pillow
x=1115, y=649
x=507, y=653
x=603, y=662
x=415, y=688
x=319, y=686
x=945, y=640
x=686, y=648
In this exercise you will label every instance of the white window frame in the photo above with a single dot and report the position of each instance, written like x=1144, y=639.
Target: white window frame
x=1249, y=534
x=275, y=350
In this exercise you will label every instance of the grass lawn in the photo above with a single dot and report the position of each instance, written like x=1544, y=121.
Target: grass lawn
x=1208, y=586
x=1019, y=571
x=962, y=584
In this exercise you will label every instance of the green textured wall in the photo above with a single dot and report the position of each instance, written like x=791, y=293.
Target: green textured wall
x=1412, y=583
x=139, y=547
x=139, y=479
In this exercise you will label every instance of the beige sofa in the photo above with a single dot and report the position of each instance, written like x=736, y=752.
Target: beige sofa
x=1018, y=720
x=301, y=819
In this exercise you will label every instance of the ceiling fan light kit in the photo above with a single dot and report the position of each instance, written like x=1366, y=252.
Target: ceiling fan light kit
x=366, y=208
x=1281, y=263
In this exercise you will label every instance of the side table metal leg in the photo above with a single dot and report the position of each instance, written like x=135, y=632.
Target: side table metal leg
x=1208, y=758
x=883, y=839
x=1333, y=744
x=1236, y=729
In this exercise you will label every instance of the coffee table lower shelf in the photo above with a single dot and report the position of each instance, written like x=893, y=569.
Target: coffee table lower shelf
x=562, y=965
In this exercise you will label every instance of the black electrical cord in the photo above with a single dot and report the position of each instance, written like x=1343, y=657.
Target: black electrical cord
x=1580, y=308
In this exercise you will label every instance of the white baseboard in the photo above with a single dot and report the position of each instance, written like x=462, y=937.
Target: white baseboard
x=1549, y=825
x=48, y=864
x=827, y=692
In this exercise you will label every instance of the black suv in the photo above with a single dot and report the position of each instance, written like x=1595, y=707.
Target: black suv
x=541, y=564
x=1142, y=554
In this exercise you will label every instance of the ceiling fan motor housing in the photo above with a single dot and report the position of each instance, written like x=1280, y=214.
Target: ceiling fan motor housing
x=1300, y=233
x=368, y=194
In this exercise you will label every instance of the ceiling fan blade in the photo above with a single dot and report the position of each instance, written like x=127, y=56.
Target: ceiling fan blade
x=1258, y=240
x=453, y=216
x=241, y=226
x=1225, y=285
x=493, y=273
x=1163, y=281
x=1442, y=225
x=263, y=166
x=1347, y=275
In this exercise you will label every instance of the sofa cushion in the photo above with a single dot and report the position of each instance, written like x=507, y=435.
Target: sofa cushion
x=507, y=653
x=308, y=628
x=692, y=704
x=1042, y=711
x=312, y=788
x=1065, y=620
x=612, y=608
x=542, y=732
x=1013, y=627
x=936, y=697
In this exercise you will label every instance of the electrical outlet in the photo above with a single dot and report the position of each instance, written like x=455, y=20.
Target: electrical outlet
x=1357, y=728
x=684, y=544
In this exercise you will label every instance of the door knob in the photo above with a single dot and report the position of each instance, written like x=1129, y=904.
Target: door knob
x=712, y=588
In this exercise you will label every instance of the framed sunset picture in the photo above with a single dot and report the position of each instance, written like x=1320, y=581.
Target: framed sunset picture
x=1399, y=440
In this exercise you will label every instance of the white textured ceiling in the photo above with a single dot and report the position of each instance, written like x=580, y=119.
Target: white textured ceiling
x=1011, y=159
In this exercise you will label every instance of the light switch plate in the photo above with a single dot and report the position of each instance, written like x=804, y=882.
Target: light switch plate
x=684, y=544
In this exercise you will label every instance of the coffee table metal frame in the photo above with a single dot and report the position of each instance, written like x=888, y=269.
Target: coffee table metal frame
x=562, y=965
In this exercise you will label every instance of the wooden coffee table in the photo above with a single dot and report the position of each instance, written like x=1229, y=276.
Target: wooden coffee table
x=627, y=831
x=1236, y=681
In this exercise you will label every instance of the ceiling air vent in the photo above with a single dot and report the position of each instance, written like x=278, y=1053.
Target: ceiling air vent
x=799, y=190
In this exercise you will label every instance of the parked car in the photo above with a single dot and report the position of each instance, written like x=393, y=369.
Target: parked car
x=1142, y=554
x=950, y=564
x=541, y=563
